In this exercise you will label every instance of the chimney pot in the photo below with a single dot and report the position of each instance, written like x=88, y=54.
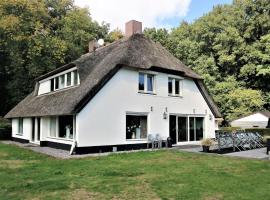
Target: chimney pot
x=133, y=27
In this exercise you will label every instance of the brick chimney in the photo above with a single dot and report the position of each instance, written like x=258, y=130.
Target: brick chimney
x=133, y=27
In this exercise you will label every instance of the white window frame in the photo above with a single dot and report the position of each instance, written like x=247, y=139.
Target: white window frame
x=145, y=91
x=173, y=86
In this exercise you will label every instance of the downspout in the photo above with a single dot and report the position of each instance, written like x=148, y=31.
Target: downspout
x=74, y=144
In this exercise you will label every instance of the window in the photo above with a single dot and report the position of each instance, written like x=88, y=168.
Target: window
x=170, y=85
x=65, y=127
x=53, y=128
x=146, y=83
x=56, y=81
x=65, y=80
x=136, y=127
x=62, y=82
x=195, y=128
x=141, y=81
x=75, y=75
x=20, y=126
x=69, y=79
x=174, y=87
x=52, y=84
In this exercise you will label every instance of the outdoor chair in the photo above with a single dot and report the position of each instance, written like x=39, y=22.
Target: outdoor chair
x=150, y=140
x=159, y=141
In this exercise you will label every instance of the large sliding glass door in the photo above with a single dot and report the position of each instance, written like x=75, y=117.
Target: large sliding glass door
x=186, y=128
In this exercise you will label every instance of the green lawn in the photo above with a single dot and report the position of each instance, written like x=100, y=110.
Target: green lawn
x=144, y=175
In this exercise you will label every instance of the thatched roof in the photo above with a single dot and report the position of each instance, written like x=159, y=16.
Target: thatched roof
x=96, y=68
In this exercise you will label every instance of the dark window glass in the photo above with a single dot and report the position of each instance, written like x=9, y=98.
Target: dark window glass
x=177, y=87
x=141, y=82
x=172, y=127
x=150, y=83
x=56, y=82
x=75, y=77
x=136, y=127
x=182, y=129
x=66, y=127
x=199, y=128
x=170, y=81
x=20, y=128
x=69, y=79
x=52, y=84
x=191, y=129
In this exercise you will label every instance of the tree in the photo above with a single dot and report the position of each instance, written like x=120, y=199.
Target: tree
x=37, y=37
x=230, y=48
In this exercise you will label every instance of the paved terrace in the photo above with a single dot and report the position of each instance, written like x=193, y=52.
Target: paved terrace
x=63, y=154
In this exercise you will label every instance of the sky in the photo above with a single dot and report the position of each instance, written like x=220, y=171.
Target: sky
x=152, y=13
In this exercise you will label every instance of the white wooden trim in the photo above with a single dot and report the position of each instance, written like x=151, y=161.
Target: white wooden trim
x=59, y=74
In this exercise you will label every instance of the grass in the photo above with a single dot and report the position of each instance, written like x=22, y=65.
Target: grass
x=144, y=175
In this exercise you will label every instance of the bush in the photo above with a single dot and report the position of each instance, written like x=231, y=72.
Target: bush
x=230, y=129
x=4, y=123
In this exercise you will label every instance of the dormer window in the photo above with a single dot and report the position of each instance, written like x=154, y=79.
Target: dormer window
x=65, y=80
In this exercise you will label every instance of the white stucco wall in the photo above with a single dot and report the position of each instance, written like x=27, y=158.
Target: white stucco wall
x=103, y=120
x=27, y=128
x=44, y=87
x=256, y=120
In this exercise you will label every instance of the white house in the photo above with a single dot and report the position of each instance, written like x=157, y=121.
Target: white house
x=255, y=120
x=114, y=97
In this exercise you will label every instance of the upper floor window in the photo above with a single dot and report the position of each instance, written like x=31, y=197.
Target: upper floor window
x=174, y=87
x=65, y=80
x=146, y=83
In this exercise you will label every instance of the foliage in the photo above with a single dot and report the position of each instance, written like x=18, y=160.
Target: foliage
x=4, y=123
x=37, y=37
x=143, y=175
x=230, y=48
x=115, y=35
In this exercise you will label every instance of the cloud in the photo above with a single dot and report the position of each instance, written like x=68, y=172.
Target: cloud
x=152, y=13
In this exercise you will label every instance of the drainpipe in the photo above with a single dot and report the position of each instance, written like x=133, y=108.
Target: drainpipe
x=74, y=144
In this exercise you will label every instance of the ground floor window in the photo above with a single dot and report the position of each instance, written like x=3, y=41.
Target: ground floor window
x=186, y=128
x=20, y=126
x=136, y=126
x=62, y=127
x=53, y=127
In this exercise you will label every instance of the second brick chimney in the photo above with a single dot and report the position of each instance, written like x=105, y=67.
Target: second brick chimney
x=133, y=27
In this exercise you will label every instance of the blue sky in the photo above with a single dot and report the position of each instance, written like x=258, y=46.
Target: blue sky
x=152, y=13
x=197, y=8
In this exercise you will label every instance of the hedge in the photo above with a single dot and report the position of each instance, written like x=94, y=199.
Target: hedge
x=5, y=133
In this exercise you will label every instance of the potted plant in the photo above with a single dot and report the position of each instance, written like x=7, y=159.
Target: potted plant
x=206, y=143
x=266, y=139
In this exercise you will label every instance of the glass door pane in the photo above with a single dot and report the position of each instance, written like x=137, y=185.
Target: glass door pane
x=182, y=129
x=172, y=121
x=199, y=128
x=191, y=129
